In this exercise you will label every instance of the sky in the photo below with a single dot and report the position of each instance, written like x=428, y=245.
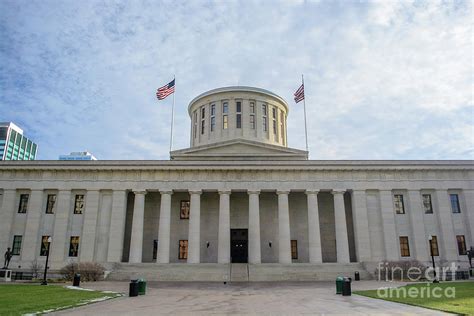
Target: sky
x=383, y=79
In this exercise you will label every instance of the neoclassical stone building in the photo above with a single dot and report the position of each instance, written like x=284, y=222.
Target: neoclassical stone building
x=238, y=204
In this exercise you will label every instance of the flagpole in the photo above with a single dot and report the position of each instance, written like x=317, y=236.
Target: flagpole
x=304, y=106
x=172, y=116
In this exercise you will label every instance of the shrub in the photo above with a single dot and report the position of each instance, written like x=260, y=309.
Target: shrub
x=36, y=268
x=89, y=271
x=398, y=270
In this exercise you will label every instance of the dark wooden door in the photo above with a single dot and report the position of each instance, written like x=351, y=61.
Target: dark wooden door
x=239, y=245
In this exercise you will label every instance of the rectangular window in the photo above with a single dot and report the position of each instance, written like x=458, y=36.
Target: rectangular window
x=264, y=118
x=16, y=248
x=213, y=117
x=74, y=246
x=195, y=124
x=404, y=247
x=203, y=120
x=252, y=121
x=461, y=245
x=282, y=126
x=50, y=203
x=225, y=122
x=399, y=206
x=264, y=109
x=79, y=204
x=155, y=248
x=23, y=205
x=264, y=124
x=44, y=246
x=184, y=209
x=455, y=203
x=294, y=249
x=252, y=107
x=225, y=108
x=434, y=246
x=183, y=249
x=238, y=117
x=427, y=206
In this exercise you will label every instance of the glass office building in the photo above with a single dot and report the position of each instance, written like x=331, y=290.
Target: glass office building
x=14, y=145
x=80, y=155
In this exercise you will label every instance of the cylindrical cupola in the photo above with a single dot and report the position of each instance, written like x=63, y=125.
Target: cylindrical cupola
x=238, y=113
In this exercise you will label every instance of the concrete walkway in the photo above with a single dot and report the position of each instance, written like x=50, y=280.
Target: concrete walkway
x=244, y=298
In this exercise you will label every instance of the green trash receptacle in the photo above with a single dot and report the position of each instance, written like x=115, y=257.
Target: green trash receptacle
x=339, y=283
x=141, y=287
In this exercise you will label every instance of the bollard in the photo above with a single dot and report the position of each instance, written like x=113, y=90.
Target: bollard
x=77, y=280
x=133, y=288
x=346, y=287
x=357, y=276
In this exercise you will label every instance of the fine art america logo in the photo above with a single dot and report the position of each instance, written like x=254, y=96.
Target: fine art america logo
x=387, y=271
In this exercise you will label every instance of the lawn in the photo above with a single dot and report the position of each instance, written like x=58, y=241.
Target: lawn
x=456, y=297
x=18, y=299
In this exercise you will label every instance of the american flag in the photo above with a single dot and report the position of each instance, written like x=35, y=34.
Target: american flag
x=165, y=91
x=299, y=94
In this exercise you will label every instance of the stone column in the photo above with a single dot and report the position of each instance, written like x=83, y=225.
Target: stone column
x=469, y=213
x=342, y=241
x=388, y=223
x=314, y=233
x=447, y=240
x=223, y=251
x=136, y=241
x=284, y=244
x=164, y=227
x=7, y=212
x=117, y=226
x=361, y=226
x=86, y=250
x=254, y=227
x=194, y=236
x=30, y=247
x=60, y=243
x=420, y=241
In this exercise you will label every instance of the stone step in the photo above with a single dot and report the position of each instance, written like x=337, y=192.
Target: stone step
x=239, y=272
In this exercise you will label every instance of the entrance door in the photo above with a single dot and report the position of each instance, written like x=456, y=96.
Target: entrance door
x=239, y=245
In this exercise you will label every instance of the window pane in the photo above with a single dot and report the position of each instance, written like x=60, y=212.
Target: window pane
x=252, y=107
x=252, y=121
x=50, y=203
x=183, y=249
x=213, y=123
x=16, y=248
x=294, y=249
x=74, y=246
x=238, y=106
x=404, y=247
x=239, y=120
x=399, y=206
x=184, y=209
x=427, y=204
x=224, y=122
x=213, y=109
x=455, y=203
x=225, y=107
x=79, y=204
x=461, y=245
x=23, y=206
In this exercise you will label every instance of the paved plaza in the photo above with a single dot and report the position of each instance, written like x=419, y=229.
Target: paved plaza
x=244, y=298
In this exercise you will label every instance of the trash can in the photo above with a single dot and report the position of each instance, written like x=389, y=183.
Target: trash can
x=133, y=289
x=77, y=280
x=357, y=276
x=141, y=287
x=339, y=281
x=346, y=287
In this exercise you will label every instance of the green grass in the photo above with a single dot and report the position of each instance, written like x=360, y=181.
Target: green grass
x=461, y=303
x=18, y=299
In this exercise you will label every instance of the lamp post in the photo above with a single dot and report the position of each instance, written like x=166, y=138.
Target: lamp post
x=432, y=259
x=46, y=265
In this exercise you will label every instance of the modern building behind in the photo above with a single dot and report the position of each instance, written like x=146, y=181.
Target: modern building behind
x=78, y=155
x=14, y=145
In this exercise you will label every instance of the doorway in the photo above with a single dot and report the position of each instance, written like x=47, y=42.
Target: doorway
x=239, y=245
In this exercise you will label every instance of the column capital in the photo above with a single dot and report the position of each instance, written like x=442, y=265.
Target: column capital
x=253, y=192
x=166, y=192
x=311, y=191
x=139, y=192
x=224, y=191
x=199, y=192
x=338, y=191
x=283, y=192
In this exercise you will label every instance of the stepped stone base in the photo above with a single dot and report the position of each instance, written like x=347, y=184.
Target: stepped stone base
x=213, y=272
